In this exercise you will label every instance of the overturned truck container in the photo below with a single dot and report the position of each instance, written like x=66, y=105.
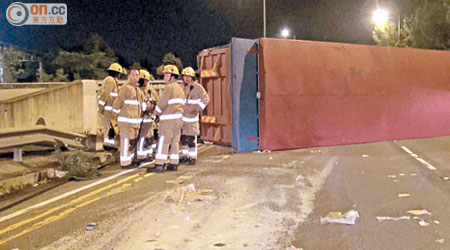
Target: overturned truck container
x=288, y=94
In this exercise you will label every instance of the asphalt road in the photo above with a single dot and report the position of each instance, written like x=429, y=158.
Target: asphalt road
x=269, y=200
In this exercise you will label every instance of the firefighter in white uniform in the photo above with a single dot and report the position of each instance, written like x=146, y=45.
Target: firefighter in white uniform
x=108, y=94
x=128, y=107
x=145, y=141
x=170, y=110
x=196, y=100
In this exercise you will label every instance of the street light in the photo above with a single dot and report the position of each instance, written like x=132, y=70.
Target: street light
x=285, y=33
x=264, y=16
x=380, y=17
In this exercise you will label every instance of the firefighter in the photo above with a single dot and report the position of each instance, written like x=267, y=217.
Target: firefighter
x=146, y=140
x=170, y=110
x=128, y=107
x=196, y=100
x=108, y=95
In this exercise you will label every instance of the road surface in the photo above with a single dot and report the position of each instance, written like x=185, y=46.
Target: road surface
x=255, y=200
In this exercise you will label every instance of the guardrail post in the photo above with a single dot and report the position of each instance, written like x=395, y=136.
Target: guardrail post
x=18, y=154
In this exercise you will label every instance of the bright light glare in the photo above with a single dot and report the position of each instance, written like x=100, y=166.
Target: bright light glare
x=380, y=17
x=285, y=33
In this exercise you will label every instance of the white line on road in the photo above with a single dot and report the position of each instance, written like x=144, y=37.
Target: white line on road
x=62, y=196
x=415, y=156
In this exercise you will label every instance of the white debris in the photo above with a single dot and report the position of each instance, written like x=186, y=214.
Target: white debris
x=292, y=247
x=385, y=218
x=436, y=222
x=291, y=165
x=262, y=152
x=440, y=241
x=91, y=226
x=413, y=174
x=423, y=223
x=60, y=174
x=189, y=188
x=401, y=174
x=392, y=176
x=300, y=177
x=349, y=218
x=365, y=156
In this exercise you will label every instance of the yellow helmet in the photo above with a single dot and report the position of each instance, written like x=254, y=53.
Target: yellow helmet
x=172, y=69
x=116, y=67
x=144, y=74
x=189, y=71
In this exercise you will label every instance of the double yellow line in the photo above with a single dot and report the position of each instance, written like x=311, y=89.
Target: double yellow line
x=72, y=205
x=69, y=207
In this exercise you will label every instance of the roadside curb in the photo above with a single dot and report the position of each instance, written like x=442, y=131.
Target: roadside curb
x=14, y=184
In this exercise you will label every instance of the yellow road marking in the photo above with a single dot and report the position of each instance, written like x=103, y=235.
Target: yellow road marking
x=205, y=148
x=149, y=174
x=138, y=179
x=65, y=213
x=71, y=203
x=62, y=196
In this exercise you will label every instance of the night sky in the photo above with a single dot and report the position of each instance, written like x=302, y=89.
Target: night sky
x=145, y=30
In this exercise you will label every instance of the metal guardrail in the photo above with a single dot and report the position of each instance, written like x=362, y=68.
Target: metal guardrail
x=16, y=138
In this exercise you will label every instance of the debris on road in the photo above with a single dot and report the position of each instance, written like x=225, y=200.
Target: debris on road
x=189, y=188
x=54, y=173
x=262, y=152
x=423, y=223
x=290, y=165
x=419, y=212
x=208, y=143
x=60, y=174
x=91, y=226
x=401, y=174
x=445, y=178
x=180, y=180
x=393, y=176
x=78, y=164
x=436, y=222
x=176, y=181
x=300, y=178
x=404, y=195
x=348, y=218
x=365, y=156
x=440, y=241
x=188, y=193
x=292, y=247
x=387, y=218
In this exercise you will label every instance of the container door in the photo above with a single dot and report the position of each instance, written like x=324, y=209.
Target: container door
x=244, y=89
x=214, y=67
